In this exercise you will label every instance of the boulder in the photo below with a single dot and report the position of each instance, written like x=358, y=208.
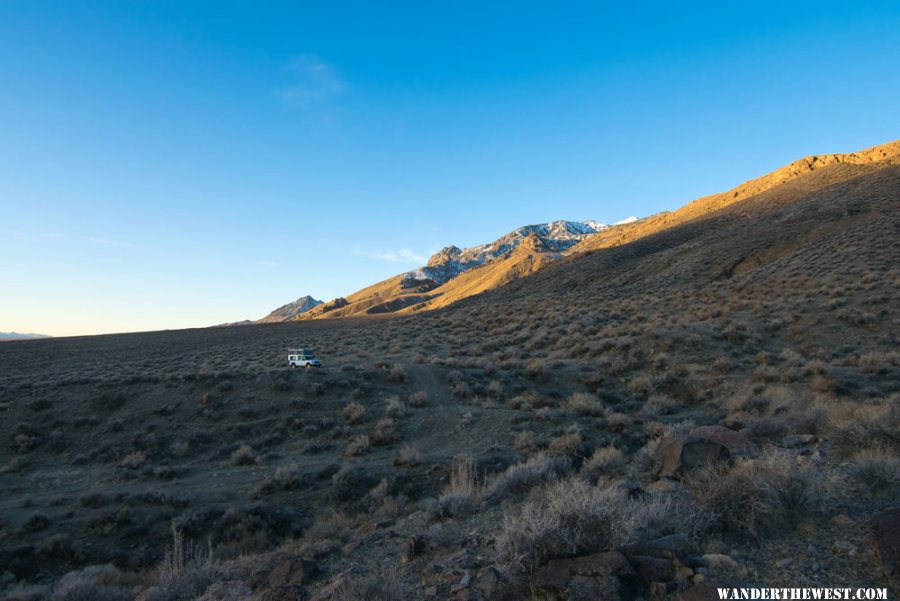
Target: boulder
x=886, y=527
x=658, y=590
x=797, y=440
x=671, y=545
x=291, y=572
x=489, y=581
x=718, y=562
x=597, y=576
x=653, y=569
x=732, y=440
x=412, y=546
x=327, y=592
x=459, y=560
x=676, y=455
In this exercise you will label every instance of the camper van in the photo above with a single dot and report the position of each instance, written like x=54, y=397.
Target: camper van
x=302, y=357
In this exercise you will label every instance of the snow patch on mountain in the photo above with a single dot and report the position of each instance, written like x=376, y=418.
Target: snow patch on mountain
x=449, y=262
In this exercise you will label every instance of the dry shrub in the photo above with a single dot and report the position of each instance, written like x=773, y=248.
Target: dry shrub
x=583, y=403
x=385, y=432
x=755, y=497
x=661, y=405
x=243, y=455
x=534, y=369
x=351, y=482
x=93, y=583
x=865, y=426
x=354, y=412
x=179, y=450
x=229, y=590
x=418, y=399
x=330, y=525
x=358, y=446
x=878, y=362
x=606, y=462
x=571, y=518
x=462, y=390
x=616, y=421
x=641, y=385
x=520, y=478
x=398, y=374
x=822, y=384
x=133, y=461
x=408, y=456
x=463, y=479
x=876, y=472
x=14, y=465
x=722, y=365
x=186, y=571
x=460, y=496
x=524, y=441
x=395, y=407
x=545, y=414
x=382, y=586
x=569, y=444
x=380, y=503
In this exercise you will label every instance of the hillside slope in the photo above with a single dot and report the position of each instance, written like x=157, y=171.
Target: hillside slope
x=782, y=185
x=824, y=232
x=527, y=424
x=452, y=275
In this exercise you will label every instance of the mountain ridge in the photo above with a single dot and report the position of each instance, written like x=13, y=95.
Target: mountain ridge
x=4, y=336
x=453, y=274
x=290, y=310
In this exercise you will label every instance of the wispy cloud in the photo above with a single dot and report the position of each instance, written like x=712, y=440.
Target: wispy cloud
x=402, y=255
x=108, y=242
x=314, y=81
x=15, y=235
x=267, y=263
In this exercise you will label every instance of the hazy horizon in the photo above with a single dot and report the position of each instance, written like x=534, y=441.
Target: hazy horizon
x=172, y=166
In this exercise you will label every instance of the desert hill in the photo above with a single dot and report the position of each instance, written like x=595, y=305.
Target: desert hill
x=780, y=186
x=453, y=274
x=686, y=404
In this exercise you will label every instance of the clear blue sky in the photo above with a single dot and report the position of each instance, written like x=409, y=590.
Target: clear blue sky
x=177, y=164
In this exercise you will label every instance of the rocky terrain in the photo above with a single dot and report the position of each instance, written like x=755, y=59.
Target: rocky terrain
x=291, y=310
x=439, y=284
x=707, y=397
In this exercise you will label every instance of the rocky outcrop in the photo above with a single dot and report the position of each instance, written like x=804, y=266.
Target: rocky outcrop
x=291, y=310
x=735, y=441
x=599, y=576
x=702, y=447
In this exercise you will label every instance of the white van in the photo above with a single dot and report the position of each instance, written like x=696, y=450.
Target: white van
x=302, y=357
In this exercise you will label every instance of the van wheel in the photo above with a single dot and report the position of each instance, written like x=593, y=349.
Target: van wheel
x=308, y=365
x=293, y=365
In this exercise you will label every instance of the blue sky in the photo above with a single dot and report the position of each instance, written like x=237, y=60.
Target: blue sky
x=179, y=164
